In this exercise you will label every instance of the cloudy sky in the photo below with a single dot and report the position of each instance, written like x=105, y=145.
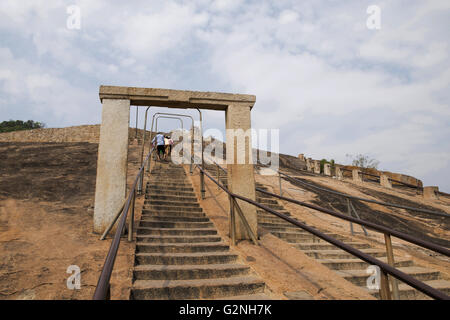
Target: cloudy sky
x=328, y=82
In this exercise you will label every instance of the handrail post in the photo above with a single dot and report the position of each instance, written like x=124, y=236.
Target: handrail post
x=279, y=180
x=218, y=176
x=385, y=293
x=350, y=214
x=131, y=222
x=357, y=216
x=232, y=221
x=391, y=262
x=137, y=114
x=119, y=212
x=245, y=222
x=202, y=184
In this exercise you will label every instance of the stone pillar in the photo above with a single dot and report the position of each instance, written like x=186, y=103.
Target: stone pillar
x=241, y=179
x=110, y=186
x=385, y=182
x=327, y=169
x=356, y=175
x=430, y=193
x=339, y=174
x=316, y=166
x=309, y=166
x=301, y=156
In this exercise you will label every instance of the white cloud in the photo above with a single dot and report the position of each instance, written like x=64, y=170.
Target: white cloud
x=313, y=65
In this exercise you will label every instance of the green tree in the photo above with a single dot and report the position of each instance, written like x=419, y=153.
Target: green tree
x=364, y=161
x=16, y=125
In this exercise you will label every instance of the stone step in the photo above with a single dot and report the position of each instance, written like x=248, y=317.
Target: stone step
x=275, y=207
x=353, y=264
x=170, y=197
x=407, y=292
x=161, y=208
x=166, y=213
x=181, y=247
x=174, y=218
x=186, y=272
x=196, y=289
x=359, y=277
x=265, y=213
x=273, y=220
x=177, y=239
x=185, y=258
x=153, y=192
x=167, y=189
x=328, y=246
x=177, y=231
x=167, y=184
x=171, y=203
x=302, y=236
x=163, y=177
x=254, y=296
x=164, y=184
x=172, y=224
x=281, y=224
x=266, y=201
x=157, y=178
x=341, y=254
x=283, y=229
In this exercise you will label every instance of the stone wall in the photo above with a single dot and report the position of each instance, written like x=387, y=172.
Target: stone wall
x=86, y=133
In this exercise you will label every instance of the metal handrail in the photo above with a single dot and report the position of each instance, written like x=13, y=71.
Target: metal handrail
x=358, y=198
x=166, y=117
x=384, y=267
x=102, y=290
x=368, y=200
x=373, y=226
x=180, y=115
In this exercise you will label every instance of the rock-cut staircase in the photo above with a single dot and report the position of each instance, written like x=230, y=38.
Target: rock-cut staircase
x=179, y=254
x=344, y=264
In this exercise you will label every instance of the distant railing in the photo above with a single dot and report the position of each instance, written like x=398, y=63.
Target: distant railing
x=390, y=179
x=387, y=204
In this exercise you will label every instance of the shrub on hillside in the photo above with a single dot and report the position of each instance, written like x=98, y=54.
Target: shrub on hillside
x=16, y=125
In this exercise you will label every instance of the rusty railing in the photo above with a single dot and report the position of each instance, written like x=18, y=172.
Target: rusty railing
x=385, y=268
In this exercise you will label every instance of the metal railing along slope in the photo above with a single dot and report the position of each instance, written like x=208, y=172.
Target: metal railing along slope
x=385, y=268
x=102, y=290
x=387, y=204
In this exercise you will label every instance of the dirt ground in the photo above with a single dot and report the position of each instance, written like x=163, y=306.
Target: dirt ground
x=46, y=208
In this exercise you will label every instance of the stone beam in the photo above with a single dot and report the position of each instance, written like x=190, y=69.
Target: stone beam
x=176, y=98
